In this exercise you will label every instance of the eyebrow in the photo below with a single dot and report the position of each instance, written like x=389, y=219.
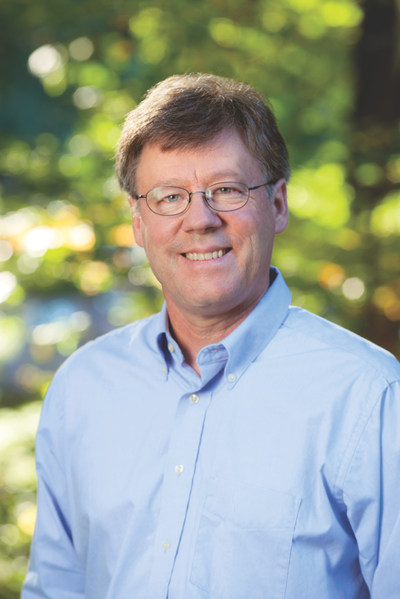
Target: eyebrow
x=226, y=176
x=217, y=177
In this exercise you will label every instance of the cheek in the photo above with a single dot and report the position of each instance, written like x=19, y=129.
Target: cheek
x=156, y=248
x=261, y=242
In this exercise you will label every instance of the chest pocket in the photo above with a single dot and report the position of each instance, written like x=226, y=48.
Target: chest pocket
x=244, y=541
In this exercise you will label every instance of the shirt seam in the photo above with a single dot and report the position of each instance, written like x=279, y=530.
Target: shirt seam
x=366, y=360
x=349, y=453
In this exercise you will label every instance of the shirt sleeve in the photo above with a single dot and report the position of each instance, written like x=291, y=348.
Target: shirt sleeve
x=54, y=570
x=372, y=496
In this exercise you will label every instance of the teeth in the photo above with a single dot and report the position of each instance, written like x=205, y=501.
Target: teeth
x=206, y=256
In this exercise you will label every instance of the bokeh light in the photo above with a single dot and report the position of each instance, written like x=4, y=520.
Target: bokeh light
x=353, y=288
x=45, y=60
x=81, y=48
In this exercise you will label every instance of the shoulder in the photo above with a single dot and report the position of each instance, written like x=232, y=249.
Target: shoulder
x=107, y=368
x=124, y=344
x=318, y=336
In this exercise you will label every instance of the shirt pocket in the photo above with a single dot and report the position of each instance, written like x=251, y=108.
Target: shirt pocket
x=244, y=541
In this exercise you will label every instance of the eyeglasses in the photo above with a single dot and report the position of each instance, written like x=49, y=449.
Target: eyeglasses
x=220, y=197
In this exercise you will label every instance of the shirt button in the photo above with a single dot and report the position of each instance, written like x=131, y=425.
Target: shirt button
x=164, y=370
x=194, y=398
x=179, y=468
x=171, y=348
x=231, y=378
x=165, y=545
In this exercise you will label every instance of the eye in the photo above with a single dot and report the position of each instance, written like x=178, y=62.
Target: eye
x=168, y=195
x=225, y=190
x=170, y=198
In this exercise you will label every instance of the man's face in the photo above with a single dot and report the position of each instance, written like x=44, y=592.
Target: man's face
x=231, y=284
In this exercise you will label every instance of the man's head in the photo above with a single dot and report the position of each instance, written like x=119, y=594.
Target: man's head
x=193, y=135
x=185, y=111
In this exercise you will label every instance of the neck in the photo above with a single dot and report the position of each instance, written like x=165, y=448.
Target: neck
x=193, y=331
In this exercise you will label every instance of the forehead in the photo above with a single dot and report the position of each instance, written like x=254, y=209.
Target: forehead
x=224, y=157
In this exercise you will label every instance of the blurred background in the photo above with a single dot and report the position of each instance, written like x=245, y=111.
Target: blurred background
x=69, y=267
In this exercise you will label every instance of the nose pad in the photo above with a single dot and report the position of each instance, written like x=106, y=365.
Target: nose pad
x=199, y=214
x=204, y=198
x=192, y=193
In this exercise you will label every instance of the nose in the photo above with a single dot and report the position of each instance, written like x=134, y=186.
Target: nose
x=199, y=215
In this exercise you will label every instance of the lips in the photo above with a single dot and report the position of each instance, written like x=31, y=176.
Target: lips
x=193, y=256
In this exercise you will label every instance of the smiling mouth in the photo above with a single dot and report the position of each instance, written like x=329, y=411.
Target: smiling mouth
x=206, y=255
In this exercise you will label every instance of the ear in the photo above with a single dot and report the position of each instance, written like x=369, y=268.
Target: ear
x=280, y=206
x=136, y=221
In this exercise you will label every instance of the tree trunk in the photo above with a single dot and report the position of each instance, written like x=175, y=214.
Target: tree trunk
x=374, y=142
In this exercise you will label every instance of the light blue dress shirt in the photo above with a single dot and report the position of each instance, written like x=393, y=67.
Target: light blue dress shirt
x=275, y=475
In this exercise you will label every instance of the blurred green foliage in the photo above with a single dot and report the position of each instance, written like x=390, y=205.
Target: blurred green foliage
x=69, y=265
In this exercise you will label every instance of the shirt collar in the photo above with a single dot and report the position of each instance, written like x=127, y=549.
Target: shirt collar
x=245, y=343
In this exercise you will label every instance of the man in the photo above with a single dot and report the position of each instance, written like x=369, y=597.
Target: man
x=232, y=446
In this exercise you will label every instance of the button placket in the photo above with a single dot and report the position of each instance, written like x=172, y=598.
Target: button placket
x=178, y=476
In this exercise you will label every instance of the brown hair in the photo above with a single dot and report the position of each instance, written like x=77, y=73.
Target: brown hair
x=187, y=110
